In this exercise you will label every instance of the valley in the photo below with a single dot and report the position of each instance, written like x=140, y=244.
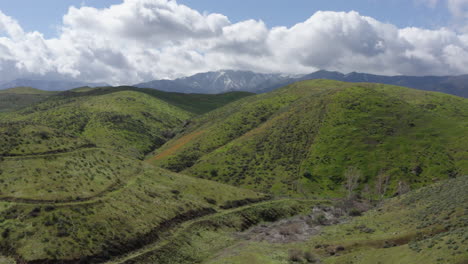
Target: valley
x=317, y=171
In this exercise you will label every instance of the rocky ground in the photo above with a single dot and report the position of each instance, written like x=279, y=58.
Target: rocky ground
x=296, y=229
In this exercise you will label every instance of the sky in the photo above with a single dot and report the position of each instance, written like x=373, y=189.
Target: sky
x=131, y=41
x=45, y=16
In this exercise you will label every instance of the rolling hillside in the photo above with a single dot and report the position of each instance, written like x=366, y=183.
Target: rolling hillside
x=127, y=119
x=92, y=205
x=128, y=122
x=304, y=138
x=19, y=97
x=72, y=188
x=192, y=102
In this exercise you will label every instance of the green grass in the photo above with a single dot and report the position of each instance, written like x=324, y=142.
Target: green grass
x=19, y=97
x=194, y=103
x=69, y=176
x=196, y=240
x=301, y=139
x=425, y=226
x=72, y=186
x=22, y=138
x=121, y=219
x=129, y=122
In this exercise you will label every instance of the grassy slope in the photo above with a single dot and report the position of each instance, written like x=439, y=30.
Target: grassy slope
x=70, y=176
x=110, y=223
x=194, y=103
x=129, y=122
x=128, y=119
x=19, y=97
x=195, y=241
x=301, y=139
x=428, y=225
x=71, y=186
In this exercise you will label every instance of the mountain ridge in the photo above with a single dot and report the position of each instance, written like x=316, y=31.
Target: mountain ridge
x=231, y=80
x=218, y=81
x=215, y=82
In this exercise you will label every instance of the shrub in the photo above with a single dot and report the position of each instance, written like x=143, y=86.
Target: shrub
x=210, y=201
x=309, y=257
x=295, y=255
x=320, y=219
x=354, y=212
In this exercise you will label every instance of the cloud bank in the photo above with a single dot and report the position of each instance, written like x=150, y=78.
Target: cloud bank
x=141, y=40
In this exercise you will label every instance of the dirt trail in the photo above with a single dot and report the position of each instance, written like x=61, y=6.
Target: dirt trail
x=58, y=151
x=70, y=202
x=180, y=230
x=113, y=187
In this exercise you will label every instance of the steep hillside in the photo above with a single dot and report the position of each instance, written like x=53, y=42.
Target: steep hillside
x=72, y=190
x=305, y=138
x=127, y=121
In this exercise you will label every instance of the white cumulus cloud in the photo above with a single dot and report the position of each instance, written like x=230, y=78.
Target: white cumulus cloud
x=141, y=40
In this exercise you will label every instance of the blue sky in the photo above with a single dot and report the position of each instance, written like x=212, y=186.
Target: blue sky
x=46, y=15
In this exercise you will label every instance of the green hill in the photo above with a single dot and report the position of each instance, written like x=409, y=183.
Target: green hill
x=129, y=122
x=25, y=90
x=19, y=97
x=72, y=188
x=194, y=103
x=304, y=138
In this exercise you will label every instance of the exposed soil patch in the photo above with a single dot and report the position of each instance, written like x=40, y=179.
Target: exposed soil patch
x=180, y=143
x=296, y=229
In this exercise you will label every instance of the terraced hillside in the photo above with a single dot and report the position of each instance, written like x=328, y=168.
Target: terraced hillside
x=305, y=138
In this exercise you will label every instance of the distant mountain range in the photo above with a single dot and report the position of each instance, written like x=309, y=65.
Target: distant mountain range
x=229, y=80
x=48, y=85
x=220, y=81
